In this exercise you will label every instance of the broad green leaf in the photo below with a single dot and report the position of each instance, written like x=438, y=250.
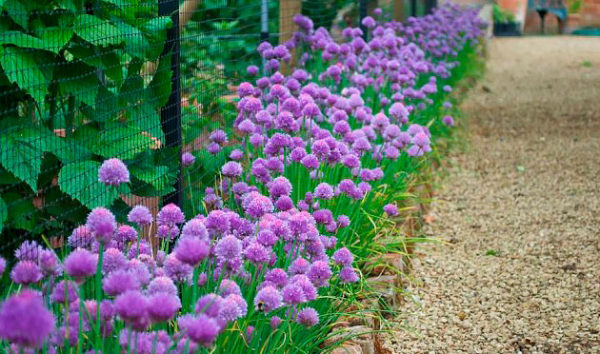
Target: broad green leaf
x=80, y=181
x=22, y=213
x=104, y=58
x=3, y=213
x=80, y=80
x=97, y=31
x=17, y=11
x=22, y=40
x=157, y=176
x=147, y=119
x=21, y=155
x=21, y=68
x=135, y=43
x=159, y=90
x=132, y=89
x=122, y=141
x=155, y=31
x=107, y=105
x=56, y=37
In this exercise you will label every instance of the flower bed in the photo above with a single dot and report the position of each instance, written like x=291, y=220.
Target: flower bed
x=322, y=162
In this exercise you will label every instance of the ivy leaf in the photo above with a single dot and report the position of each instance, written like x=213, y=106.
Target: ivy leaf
x=3, y=213
x=21, y=68
x=80, y=181
x=97, y=31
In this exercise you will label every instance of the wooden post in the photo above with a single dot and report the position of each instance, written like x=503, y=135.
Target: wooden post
x=287, y=10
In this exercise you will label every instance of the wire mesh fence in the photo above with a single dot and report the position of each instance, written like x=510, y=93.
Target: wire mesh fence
x=139, y=80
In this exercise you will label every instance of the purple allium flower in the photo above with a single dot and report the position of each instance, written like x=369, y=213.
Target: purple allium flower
x=293, y=294
x=191, y=250
x=132, y=307
x=257, y=253
x=348, y=275
x=279, y=186
x=275, y=321
x=256, y=205
x=194, y=228
x=245, y=89
x=29, y=251
x=284, y=203
x=163, y=306
x=236, y=154
x=61, y=295
x=343, y=221
x=218, y=136
x=324, y=191
x=319, y=273
x=308, y=317
x=2, y=265
x=81, y=237
x=213, y=148
x=228, y=248
x=310, y=161
x=252, y=70
x=448, y=120
x=24, y=320
x=119, y=282
x=113, y=172
x=187, y=159
x=201, y=328
x=140, y=215
x=229, y=309
x=162, y=285
x=390, y=209
x=49, y=263
x=80, y=264
x=276, y=276
x=228, y=287
x=309, y=289
x=209, y=304
x=25, y=273
x=140, y=270
x=170, y=214
x=126, y=233
x=102, y=224
x=299, y=266
x=268, y=299
x=343, y=257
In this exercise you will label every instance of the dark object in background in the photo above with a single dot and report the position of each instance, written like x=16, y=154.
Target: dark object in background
x=506, y=29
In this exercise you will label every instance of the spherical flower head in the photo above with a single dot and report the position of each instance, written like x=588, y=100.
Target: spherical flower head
x=310, y=161
x=2, y=265
x=275, y=322
x=81, y=237
x=228, y=248
x=131, y=306
x=140, y=215
x=257, y=253
x=191, y=250
x=26, y=273
x=343, y=257
x=218, y=136
x=268, y=299
x=236, y=154
x=277, y=276
x=177, y=270
x=201, y=329
x=194, y=228
x=232, y=169
x=170, y=214
x=252, y=70
x=80, y=264
x=213, y=148
x=293, y=294
x=229, y=310
x=343, y=221
x=29, y=251
x=279, y=186
x=113, y=172
x=256, y=205
x=309, y=289
x=209, y=305
x=24, y=321
x=187, y=159
x=284, y=203
x=390, y=209
x=49, y=263
x=324, y=191
x=245, y=89
x=61, y=295
x=308, y=317
x=162, y=284
x=319, y=273
x=448, y=120
x=125, y=233
x=119, y=282
x=163, y=306
x=348, y=275
x=102, y=224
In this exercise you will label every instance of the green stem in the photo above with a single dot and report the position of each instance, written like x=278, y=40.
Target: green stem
x=99, y=296
x=194, y=287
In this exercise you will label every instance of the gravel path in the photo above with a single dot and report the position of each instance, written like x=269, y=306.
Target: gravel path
x=518, y=268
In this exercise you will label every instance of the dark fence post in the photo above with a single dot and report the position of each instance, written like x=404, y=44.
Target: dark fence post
x=362, y=13
x=413, y=8
x=170, y=114
x=429, y=6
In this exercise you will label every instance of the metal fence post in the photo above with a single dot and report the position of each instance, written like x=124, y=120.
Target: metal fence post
x=170, y=114
x=362, y=13
x=413, y=8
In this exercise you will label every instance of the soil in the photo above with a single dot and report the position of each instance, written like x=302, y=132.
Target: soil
x=517, y=265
